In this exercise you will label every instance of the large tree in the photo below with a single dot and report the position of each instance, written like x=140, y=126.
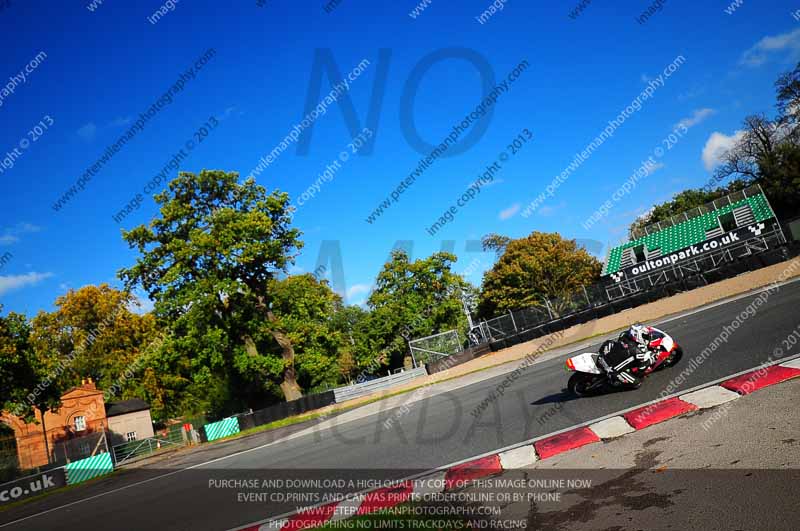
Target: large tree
x=496, y=243
x=767, y=152
x=14, y=367
x=412, y=300
x=305, y=308
x=787, y=88
x=30, y=380
x=207, y=260
x=533, y=269
x=355, y=326
x=95, y=334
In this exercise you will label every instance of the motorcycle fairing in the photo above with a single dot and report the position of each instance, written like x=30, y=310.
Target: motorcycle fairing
x=587, y=363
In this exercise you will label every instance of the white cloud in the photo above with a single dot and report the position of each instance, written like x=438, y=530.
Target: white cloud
x=549, y=210
x=697, y=117
x=694, y=92
x=716, y=146
x=121, y=122
x=509, y=212
x=771, y=46
x=87, y=131
x=228, y=112
x=28, y=227
x=11, y=235
x=12, y=282
x=358, y=289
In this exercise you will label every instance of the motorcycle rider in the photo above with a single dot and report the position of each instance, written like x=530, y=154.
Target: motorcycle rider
x=642, y=336
x=618, y=359
x=628, y=358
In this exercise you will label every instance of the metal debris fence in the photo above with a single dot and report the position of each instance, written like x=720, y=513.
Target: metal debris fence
x=134, y=450
x=432, y=348
x=601, y=299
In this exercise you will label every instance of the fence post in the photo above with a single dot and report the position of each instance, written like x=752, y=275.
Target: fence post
x=549, y=311
x=487, y=330
x=513, y=322
x=413, y=359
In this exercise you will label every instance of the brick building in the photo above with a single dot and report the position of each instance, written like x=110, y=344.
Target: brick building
x=82, y=413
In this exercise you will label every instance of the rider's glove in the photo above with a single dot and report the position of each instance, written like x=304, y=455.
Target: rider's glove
x=646, y=356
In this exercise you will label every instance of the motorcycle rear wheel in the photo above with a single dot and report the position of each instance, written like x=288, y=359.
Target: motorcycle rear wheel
x=580, y=383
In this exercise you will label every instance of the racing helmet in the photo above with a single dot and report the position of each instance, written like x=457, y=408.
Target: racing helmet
x=639, y=333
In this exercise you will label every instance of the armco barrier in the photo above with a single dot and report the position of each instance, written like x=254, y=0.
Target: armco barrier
x=223, y=428
x=354, y=391
x=86, y=469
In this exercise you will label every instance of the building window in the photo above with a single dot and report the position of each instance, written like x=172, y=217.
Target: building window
x=130, y=436
x=80, y=423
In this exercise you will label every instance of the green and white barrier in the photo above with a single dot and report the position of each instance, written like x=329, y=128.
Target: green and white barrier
x=223, y=428
x=90, y=468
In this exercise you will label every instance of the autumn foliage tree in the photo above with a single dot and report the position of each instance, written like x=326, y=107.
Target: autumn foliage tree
x=94, y=333
x=533, y=269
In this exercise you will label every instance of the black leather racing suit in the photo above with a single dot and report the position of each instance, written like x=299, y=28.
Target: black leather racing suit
x=620, y=361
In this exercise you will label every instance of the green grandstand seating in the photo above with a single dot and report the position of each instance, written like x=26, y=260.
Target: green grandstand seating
x=688, y=233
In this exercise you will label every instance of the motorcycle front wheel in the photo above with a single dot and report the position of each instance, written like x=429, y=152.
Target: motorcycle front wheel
x=673, y=359
x=581, y=384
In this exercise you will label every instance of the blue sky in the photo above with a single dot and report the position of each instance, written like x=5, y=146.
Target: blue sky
x=103, y=68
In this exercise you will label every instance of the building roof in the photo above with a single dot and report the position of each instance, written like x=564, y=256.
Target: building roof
x=115, y=409
x=87, y=388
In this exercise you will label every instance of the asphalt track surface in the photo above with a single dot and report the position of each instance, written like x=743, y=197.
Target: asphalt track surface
x=427, y=434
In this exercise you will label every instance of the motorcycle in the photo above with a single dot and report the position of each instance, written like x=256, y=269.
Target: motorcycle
x=591, y=376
